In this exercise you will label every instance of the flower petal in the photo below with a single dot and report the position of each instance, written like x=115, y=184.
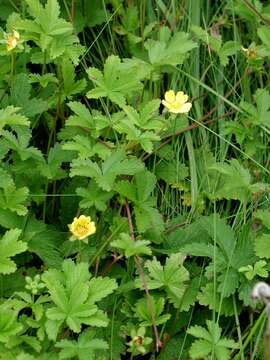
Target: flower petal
x=170, y=96
x=185, y=108
x=181, y=97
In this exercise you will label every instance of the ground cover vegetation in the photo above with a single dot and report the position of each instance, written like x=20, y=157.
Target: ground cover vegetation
x=134, y=178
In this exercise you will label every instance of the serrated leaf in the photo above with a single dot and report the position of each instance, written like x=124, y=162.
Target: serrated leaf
x=92, y=195
x=112, y=83
x=115, y=165
x=83, y=348
x=74, y=296
x=10, y=246
x=9, y=326
x=169, y=52
x=20, y=96
x=144, y=313
x=262, y=246
x=10, y=117
x=100, y=287
x=132, y=247
x=171, y=277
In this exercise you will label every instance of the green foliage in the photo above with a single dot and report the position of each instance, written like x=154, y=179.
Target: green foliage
x=74, y=297
x=105, y=175
x=85, y=346
x=171, y=277
x=176, y=203
x=10, y=246
x=210, y=342
x=131, y=247
x=113, y=82
x=165, y=51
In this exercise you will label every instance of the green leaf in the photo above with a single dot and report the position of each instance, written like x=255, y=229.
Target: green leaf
x=52, y=34
x=209, y=340
x=229, y=48
x=171, y=173
x=212, y=41
x=20, y=96
x=235, y=181
x=74, y=297
x=100, y=287
x=171, y=277
x=264, y=217
x=169, y=52
x=9, y=117
x=146, y=307
x=10, y=246
x=94, y=121
x=85, y=347
x=258, y=269
x=262, y=246
x=147, y=216
x=12, y=198
x=113, y=83
x=92, y=195
x=115, y=165
x=223, y=306
x=8, y=324
x=132, y=247
x=51, y=169
x=71, y=86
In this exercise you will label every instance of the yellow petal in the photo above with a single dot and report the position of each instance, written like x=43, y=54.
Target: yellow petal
x=185, y=108
x=166, y=104
x=181, y=97
x=170, y=96
x=16, y=34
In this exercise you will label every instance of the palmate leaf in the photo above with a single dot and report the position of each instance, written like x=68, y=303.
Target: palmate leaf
x=167, y=51
x=51, y=169
x=139, y=193
x=48, y=17
x=210, y=340
x=50, y=32
x=84, y=348
x=87, y=147
x=112, y=83
x=136, y=136
x=262, y=243
x=131, y=247
x=70, y=85
x=143, y=312
x=93, y=121
x=12, y=198
x=20, y=96
x=10, y=246
x=20, y=143
x=74, y=297
x=258, y=114
x=235, y=182
x=93, y=195
x=9, y=326
x=171, y=277
x=222, y=305
x=115, y=165
x=9, y=117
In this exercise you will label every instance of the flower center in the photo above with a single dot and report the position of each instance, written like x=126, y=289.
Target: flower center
x=81, y=229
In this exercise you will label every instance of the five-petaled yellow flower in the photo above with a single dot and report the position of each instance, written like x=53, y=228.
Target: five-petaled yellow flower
x=81, y=228
x=176, y=103
x=12, y=40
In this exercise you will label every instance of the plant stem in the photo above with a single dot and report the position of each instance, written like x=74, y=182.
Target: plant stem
x=142, y=275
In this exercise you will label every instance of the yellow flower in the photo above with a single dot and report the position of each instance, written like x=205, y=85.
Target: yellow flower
x=176, y=103
x=81, y=228
x=12, y=40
